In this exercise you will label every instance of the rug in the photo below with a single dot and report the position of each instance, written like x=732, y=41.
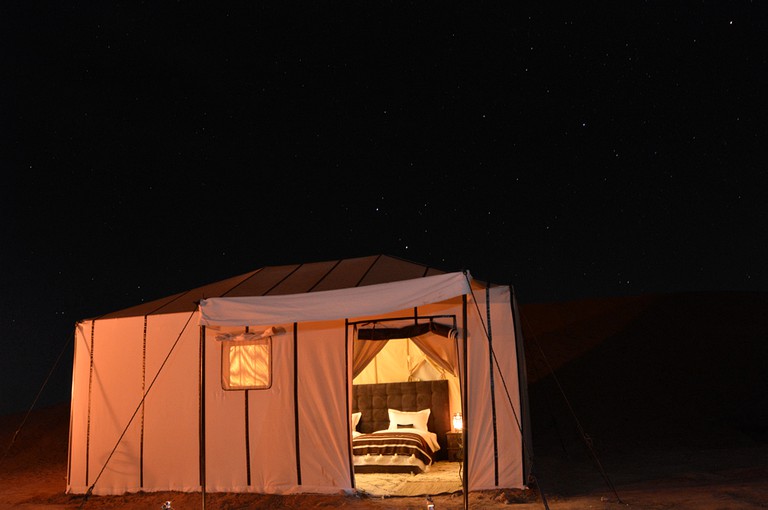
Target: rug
x=443, y=478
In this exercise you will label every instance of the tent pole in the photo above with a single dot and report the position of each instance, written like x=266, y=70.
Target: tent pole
x=201, y=379
x=348, y=380
x=465, y=393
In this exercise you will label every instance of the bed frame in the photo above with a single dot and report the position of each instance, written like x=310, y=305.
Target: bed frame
x=374, y=400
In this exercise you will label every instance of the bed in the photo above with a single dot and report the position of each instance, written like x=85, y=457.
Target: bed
x=410, y=407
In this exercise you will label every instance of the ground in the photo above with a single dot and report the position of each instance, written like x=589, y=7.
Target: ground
x=729, y=478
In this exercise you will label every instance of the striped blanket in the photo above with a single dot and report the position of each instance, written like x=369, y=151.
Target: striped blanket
x=393, y=443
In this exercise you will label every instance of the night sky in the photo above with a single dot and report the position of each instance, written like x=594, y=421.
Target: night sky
x=572, y=151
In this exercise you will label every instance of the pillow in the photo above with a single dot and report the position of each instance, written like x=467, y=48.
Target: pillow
x=415, y=419
x=356, y=419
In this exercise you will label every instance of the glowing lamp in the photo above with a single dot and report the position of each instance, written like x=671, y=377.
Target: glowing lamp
x=458, y=422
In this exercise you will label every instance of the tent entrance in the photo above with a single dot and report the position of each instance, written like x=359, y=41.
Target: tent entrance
x=410, y=350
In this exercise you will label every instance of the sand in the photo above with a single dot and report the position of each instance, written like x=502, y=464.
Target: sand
x=656, y=402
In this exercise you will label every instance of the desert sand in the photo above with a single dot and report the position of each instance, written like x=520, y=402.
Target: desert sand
x=647, y=402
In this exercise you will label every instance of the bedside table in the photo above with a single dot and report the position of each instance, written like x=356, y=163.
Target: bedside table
x=455, y=446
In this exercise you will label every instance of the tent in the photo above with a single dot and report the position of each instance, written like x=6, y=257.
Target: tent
x=244, y=385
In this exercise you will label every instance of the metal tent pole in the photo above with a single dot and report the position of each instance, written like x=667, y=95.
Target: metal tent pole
x=465, y=393
x=201, y=389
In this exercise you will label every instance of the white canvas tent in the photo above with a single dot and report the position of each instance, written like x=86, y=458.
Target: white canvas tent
x=150, y=411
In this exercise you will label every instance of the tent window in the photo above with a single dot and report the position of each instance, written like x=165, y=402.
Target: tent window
x=246, y=364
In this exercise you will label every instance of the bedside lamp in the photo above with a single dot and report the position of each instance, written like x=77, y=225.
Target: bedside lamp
x=458, y=422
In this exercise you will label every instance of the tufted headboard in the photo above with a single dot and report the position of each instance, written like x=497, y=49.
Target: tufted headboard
x=374, y=400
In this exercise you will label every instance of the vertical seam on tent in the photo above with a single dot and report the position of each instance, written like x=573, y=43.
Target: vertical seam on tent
x=90, y=398
x=143, y=404
x=296, y=399
x=493, y=388
x=247, y=433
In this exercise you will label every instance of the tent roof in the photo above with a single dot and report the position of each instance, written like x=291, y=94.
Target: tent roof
x=290, y=279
